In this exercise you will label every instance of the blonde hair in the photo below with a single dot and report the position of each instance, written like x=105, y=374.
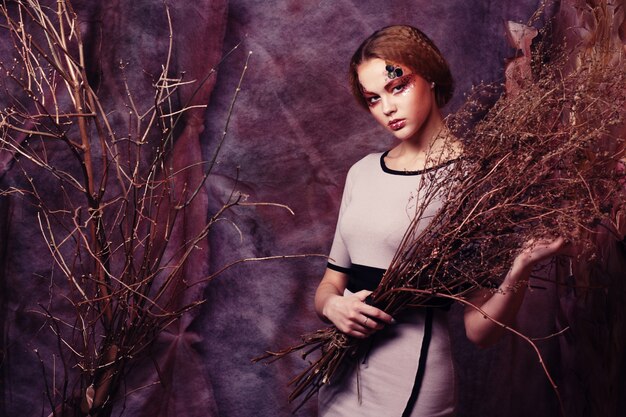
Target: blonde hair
x=408, y=46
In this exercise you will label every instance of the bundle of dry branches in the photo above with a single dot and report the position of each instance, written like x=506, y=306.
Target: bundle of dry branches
x=542, y=162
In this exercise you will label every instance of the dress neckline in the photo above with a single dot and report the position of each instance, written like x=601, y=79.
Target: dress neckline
x=388, y=170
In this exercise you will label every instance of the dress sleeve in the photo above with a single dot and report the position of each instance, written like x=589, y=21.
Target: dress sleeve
x=339, y=258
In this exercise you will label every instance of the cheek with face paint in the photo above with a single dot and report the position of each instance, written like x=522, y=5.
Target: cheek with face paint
x=407, y=90
x=407, y=87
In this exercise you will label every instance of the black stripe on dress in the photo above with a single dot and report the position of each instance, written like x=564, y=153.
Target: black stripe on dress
x=421, y=367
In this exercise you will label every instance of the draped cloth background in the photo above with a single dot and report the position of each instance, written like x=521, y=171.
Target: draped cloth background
x=294, y=133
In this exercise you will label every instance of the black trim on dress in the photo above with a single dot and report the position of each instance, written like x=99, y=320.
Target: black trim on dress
x=421, y=366
x=338, y=268
x=388, y=170
x=364, y=277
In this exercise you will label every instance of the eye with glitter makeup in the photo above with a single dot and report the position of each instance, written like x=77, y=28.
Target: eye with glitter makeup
x=399, y=88
x=401, y=85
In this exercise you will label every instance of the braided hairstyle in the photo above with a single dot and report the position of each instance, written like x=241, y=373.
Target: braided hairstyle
x=407, y=46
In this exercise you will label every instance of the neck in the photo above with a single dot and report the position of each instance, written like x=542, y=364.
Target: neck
x=420, y=152
x=427, y=140
x=432, y=147
x=424, y=139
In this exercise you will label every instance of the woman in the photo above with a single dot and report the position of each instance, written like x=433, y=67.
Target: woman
x=400, y=76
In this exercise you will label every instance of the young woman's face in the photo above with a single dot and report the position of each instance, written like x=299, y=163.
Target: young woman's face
x=399, y=99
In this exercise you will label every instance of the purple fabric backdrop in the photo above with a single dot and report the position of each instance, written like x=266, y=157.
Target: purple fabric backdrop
x=294, y=133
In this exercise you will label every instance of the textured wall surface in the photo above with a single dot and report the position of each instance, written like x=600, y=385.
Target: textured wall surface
x=294, y=133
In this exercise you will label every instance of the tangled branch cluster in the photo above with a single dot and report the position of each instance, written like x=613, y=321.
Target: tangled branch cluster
x=118, y=201
x=542, y=162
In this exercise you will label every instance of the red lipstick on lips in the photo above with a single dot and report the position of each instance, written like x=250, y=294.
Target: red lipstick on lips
x=396, y=124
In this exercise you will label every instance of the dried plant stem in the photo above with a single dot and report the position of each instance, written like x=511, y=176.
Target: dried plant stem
x=122, y=199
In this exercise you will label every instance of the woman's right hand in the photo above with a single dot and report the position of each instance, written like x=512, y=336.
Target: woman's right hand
x=353, y=316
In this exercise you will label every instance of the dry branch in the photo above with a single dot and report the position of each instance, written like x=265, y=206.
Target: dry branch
x=121, y=200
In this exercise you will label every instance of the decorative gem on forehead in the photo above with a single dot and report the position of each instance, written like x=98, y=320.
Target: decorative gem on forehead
x=393, y=71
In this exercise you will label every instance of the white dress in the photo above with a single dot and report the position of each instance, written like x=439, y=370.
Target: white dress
x=377, y=207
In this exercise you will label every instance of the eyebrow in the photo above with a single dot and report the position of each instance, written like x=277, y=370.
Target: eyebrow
x=364, y=91
x=389, y=84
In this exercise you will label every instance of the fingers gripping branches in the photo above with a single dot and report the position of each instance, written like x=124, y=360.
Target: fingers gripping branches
x=116, y=203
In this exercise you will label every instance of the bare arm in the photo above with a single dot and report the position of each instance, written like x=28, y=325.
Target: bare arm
x=349, y=313
x=504, y=304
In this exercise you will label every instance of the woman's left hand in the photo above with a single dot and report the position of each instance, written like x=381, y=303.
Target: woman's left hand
x=540, y=250
x=502, y=306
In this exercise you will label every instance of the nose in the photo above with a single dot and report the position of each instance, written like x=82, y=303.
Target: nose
x=388, y=106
